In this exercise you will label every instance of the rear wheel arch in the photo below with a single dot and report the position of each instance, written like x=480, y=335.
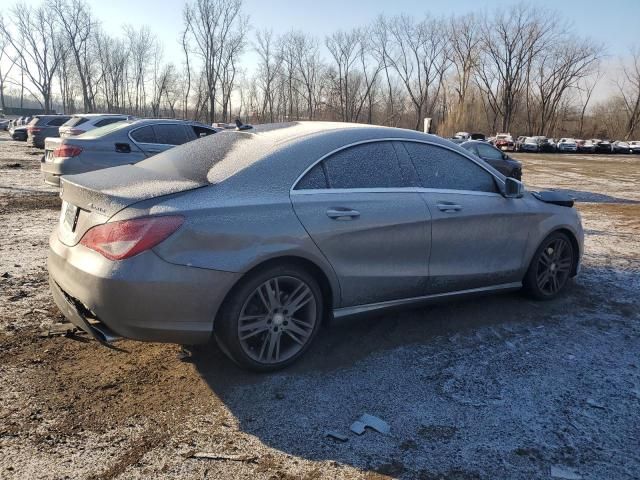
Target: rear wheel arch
x=328, y=293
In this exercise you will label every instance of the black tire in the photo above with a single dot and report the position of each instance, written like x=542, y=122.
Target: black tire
x=228, y=324
x=551, y=267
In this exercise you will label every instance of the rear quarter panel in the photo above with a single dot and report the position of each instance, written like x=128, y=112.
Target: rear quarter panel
x=233, y=232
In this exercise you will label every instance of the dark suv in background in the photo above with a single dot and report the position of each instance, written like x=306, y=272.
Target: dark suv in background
x=496, y=158
x=43, y=126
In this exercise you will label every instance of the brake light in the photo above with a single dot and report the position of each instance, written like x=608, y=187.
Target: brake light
x=67, y=151
x=33, y=130
x=124, y=239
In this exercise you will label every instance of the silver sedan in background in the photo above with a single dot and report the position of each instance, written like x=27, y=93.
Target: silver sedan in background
x=120, y=143
x=256, y=236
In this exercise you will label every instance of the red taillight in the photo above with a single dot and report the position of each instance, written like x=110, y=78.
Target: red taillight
x=33, y=130
x=67, y=151
x=124, y=239
x=75, y=131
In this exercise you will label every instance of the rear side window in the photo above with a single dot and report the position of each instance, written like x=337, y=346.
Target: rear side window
x=488, y=152
x=108, y=121
x=56, y=122
x=75, y=121
x=441, y=168
x=144, y=135
x=314, y=179
x=369, y=165
x=171, y=134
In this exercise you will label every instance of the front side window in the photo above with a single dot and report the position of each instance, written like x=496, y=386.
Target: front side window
x=441, y=168
x=369, y=165
x=168, y=134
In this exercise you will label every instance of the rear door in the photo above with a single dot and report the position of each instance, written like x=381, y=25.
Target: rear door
x=478, y=236
x=359, y=207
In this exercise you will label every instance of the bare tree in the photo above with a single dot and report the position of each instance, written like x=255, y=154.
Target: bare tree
x=464, y=39
x=420, y=58
x=77, y=25
x=213, y=24
x=268, y=70
x=629, y=86
x=36, y=42
x=11, y=60
x=511, y=39
x=558, y=69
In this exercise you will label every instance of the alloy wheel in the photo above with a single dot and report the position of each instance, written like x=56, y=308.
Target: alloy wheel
x=554, y=266
x=277, y=320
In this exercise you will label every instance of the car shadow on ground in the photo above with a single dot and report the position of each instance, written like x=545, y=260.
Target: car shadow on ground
x=397, y=362
x=591, y=197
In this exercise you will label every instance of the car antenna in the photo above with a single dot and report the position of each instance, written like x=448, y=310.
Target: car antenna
x=241, y=126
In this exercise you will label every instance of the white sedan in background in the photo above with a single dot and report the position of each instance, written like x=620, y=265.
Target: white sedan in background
x=567, y=145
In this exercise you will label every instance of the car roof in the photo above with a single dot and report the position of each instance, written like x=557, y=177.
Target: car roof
x=275, y=150
x=91, y=115
x=155, y=121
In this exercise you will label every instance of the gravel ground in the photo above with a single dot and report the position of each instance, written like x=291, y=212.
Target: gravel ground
x=497, y=387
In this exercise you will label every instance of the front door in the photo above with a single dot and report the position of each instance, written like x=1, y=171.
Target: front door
x=478, y=237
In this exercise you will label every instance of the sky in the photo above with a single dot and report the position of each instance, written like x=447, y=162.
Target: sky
x=615, y=26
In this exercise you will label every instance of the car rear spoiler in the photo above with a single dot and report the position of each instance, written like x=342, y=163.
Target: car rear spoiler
x=557, y=198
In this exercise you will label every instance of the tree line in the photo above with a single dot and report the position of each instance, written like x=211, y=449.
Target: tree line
x=519, y=69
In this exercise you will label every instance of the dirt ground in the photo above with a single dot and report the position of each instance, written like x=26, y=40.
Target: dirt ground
x=496, y=387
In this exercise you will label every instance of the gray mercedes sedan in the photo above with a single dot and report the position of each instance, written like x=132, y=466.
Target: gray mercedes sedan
x=120, y=143
x=255, y=237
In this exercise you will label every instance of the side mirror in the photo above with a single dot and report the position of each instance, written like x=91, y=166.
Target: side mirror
x=505, y=156
x=513, y=188
x=123, y=148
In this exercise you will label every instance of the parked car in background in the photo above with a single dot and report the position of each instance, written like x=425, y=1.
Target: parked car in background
x=620, y=147
x=494, y=157
x=585, y=146
x=634, y=146
x=603, y=146
x=19, y=133
x=254, y=238
x=4, y=124
x=82, y=123
x=120, y=143
x=44, y=126
x=545, y=145
x=519, y=141
x=529, y=144
x=504, y=141
x=567, y=145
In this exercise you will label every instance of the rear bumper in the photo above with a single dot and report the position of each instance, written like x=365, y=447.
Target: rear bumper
x=51, y=173
x=142, y=298
x=35, y=141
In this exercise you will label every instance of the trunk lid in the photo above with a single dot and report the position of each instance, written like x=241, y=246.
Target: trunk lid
x=92, y=198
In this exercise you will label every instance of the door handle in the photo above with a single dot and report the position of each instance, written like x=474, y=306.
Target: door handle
x=342, y=214
x=449, y=207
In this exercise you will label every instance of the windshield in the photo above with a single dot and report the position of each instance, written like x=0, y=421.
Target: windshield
x=107, y=129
